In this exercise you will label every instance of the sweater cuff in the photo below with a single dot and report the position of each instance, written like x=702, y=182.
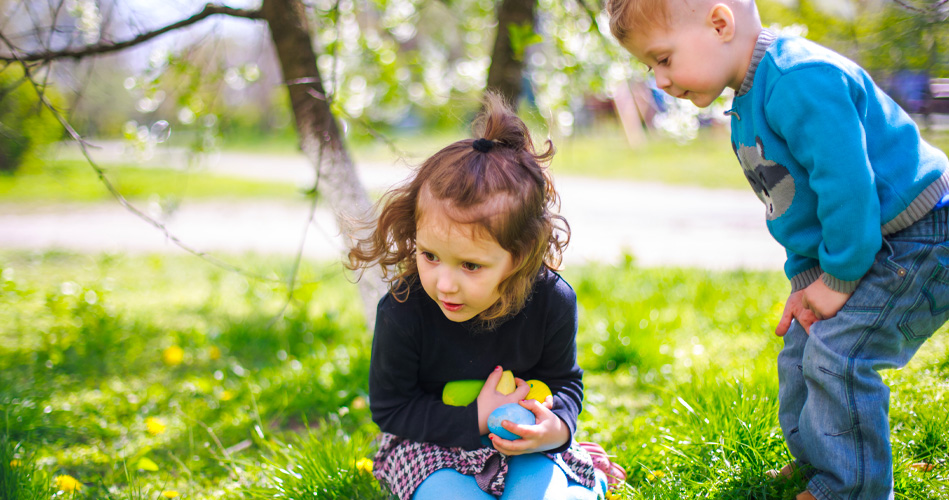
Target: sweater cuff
x=801, y=280
x=839, y=285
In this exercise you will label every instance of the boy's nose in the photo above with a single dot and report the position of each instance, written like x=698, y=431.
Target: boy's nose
x=663, y=82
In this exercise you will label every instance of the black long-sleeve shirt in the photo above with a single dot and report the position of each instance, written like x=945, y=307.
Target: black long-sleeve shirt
x=416, y=350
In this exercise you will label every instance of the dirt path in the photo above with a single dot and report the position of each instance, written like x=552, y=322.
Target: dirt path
x=658, y=224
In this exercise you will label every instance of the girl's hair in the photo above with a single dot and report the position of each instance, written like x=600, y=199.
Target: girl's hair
x=504, y=190
x=631, y=16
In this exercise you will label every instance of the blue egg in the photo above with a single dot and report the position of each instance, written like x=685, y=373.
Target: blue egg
x=512, y=412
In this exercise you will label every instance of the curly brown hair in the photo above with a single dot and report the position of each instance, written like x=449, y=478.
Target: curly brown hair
x=506, y=192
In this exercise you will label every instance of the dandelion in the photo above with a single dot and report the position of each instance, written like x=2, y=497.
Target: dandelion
x=15, y=463
x=173, y=355
x=359, y=403
x=214, y=353
x=154, y=426
x=227, y=395
x=169, y=494
x=67, y=483
x=655, y=475
x=364, y=465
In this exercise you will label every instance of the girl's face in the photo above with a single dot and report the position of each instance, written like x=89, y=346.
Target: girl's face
x=459, y=265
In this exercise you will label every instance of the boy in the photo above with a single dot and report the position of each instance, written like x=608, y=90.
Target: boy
x=859, y=201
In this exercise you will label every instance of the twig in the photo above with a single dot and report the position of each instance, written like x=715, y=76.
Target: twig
x=107, y=47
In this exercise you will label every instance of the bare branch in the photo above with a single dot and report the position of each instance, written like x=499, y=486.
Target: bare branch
x=107, y=47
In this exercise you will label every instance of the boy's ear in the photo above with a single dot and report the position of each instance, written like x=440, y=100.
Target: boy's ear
x=722, y=19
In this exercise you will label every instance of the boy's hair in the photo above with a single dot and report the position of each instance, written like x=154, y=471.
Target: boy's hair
x=633, y=16
x=506, y=192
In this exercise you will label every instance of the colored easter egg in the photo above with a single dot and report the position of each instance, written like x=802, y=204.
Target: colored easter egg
x=539, y=390
x=506, y=384
x=461, y=392
x=512, y=412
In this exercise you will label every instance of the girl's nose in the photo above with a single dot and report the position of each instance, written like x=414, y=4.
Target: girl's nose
x=447, y=282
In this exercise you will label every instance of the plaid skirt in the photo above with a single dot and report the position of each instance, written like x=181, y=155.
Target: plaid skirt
x=401, y=465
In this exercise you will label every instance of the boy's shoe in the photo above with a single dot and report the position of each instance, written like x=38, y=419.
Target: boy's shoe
x=615, y=473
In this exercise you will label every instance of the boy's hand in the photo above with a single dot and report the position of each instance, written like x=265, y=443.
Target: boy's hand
x=812, y=304
x=823, y=301
x=489, y=398
x=794, y=309
x=547, y=433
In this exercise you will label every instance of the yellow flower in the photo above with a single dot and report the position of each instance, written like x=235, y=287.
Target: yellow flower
x=358, y=403
x=154, y=426
x=655, y=475
x=364, y=465
x=227, y=395
x=214, y=353
x=15, y=463
x=173, y=355
x=67, y=483
x=169, y=494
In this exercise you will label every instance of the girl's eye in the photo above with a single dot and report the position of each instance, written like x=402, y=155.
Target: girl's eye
x=663, y=62
x=470, y=266
x=429, y=256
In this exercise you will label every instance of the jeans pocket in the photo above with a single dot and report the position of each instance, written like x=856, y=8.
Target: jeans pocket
x=931, y=308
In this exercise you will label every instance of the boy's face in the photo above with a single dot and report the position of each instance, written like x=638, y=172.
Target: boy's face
x=691, y=59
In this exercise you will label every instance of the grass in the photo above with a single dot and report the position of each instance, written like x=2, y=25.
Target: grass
x=158, y=375
x=67, y=181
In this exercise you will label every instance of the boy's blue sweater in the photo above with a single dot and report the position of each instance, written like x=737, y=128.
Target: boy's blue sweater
x=837, y=163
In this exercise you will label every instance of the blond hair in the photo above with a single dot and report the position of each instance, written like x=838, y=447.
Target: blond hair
x=632, y=16
x=506, y=192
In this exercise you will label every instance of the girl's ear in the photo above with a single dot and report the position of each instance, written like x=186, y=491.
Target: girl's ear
x=722, y=19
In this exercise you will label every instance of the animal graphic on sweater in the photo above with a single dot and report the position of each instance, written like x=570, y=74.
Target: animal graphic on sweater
x=771, y=181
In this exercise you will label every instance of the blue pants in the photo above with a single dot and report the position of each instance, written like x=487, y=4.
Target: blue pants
x=531, y=476
x=834, y=406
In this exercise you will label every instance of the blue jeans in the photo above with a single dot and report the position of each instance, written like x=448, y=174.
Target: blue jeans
x=530, y=477
x=834, y=405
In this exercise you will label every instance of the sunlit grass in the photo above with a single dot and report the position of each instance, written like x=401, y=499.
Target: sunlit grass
x=75, y=181
x=150, y=377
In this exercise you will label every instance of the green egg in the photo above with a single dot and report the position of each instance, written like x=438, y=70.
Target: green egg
x=461, y=392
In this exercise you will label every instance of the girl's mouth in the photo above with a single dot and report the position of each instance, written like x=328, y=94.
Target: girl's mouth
x=451, y=307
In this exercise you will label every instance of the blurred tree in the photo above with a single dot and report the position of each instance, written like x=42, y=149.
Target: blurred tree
x=26, y=128
x=318, y=132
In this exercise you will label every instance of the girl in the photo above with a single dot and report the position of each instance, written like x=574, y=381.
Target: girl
x=468, y=247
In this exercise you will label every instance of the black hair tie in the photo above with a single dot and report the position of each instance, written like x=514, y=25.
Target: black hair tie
x=483, y=145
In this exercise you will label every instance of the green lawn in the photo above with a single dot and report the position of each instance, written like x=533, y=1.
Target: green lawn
x=139, y=376
x=63, y=181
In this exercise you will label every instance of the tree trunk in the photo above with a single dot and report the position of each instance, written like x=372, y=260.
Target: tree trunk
x=318, y=130
x=505, y=73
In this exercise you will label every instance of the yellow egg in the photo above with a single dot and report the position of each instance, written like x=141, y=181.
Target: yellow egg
x=506, y=385
x=539, y=390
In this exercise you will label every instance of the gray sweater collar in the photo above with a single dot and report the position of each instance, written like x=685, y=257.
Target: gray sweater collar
x=765, y=39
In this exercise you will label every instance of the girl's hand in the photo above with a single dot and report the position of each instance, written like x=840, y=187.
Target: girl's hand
x=489, y=398
x=547, y=433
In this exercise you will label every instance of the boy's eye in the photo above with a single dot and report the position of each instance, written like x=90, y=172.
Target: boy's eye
x=471, y=266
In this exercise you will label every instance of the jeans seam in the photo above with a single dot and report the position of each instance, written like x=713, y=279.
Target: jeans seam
x=822, y=491
x=858, y=347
